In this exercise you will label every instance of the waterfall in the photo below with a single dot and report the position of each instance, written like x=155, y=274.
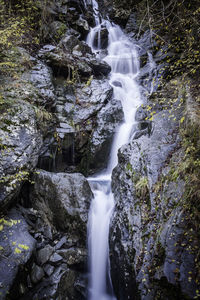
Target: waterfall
x=123, y=59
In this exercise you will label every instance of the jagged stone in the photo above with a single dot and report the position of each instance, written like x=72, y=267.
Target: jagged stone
x=55, y=258
x=108, y=120
x=21, y=141
x=62, y=242
x=69, y=210
x=44, y=254
x=37, y=274
x=49, y=269
x=74, y=256
x=16, y=247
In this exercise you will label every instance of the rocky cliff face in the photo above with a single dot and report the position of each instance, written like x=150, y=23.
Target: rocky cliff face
x=153, y=239
x=54, y=113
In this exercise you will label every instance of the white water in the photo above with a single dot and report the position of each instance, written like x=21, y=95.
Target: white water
x=123, y=59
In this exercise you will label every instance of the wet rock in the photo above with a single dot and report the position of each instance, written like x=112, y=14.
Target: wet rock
x=108, y=120
x=141, y=114
x=142, y=128
x=16, y=247
x=21, y=142
x=63, y=200
x=149, y=224
x=103, y=36
x=56, y=30
x=99, y=67
x=69, y=42
x=62, y=242
x=49, y=269
x=77, y=117
x=44, y=254
x=48, y=287
x=67, y=286
x=63, y=62
x=117, y=83
x=91, y=99
x=89, y=16
x=83, y=27
x=37, y=274
x=55, y=258
x=74, y=256
x=41, y=77
x=131, y=25
x=146, y=43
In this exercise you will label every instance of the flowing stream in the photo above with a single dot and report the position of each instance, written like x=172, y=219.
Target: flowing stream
x=123, y=59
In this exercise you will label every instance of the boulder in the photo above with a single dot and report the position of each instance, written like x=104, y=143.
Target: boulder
x=41, y=78
x=21, y=142
x=65, y=61
x=103, y=35
x=76, y=112
x=91, y=99
x=83, y=27
x=58, y=285
x=74, y=256
x=63, y=200
x=44, y=254
x=56, y=30
x=70, y=41
x=16, y=248
x=37, y=274
x=108, y=120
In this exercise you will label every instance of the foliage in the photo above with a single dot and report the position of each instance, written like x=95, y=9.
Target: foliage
x=19, y=21
x=21, y=24
x=13, y=180
x=18, y=24
x=174, y=31
x=42, y=114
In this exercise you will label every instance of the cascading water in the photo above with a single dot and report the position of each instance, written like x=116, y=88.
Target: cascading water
x=123, y=59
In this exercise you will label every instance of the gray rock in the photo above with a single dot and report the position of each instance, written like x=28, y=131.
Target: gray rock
x=16, y=245
x=44, y=254
x=41, y=77
x=74, y=256
x=37, y=274
x=77, y=116
x=99, y=67
x=62, y=242
x=49, y=269
x=70, y=42
x=56, y=30
x=131, y=25
x=55, y=258
x=21, y=142
x=63, y=62
x=141, y=114
x=67, y=285
x=82, y=26
x=149, y=228
x=108, y=120
x=63, y=200
x=91, y=99
x=103, y=39
x=117, y=83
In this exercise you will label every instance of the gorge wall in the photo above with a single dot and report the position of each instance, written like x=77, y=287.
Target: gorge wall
x=58, y=118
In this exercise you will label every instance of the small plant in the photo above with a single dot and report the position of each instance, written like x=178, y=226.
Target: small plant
x=42, y=114
x=142, y=188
